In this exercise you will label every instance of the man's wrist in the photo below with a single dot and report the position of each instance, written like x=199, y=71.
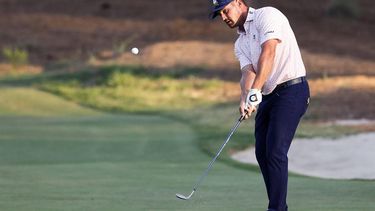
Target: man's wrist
x=243, y=96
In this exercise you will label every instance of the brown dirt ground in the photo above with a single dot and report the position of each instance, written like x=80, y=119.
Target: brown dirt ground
x=63, y=29
x=217, y=60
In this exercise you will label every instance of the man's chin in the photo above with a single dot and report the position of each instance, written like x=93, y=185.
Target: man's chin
x=231, y=25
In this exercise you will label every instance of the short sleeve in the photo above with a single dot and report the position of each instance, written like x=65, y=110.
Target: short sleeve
x=269, y=24
x=240, y=55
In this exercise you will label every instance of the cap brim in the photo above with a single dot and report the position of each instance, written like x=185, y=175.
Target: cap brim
x=215, y=12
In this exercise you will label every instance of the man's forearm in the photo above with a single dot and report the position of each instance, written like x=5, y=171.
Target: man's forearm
x=265, y=68
x=244, y=89
x=246, y=82
x=265, y=64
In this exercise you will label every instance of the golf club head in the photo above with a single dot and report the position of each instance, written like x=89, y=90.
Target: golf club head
x=180, y=196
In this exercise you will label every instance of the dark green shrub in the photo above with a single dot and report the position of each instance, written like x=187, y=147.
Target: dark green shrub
x=344, y=9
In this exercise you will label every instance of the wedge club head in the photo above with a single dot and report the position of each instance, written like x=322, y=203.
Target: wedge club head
x=180, y=196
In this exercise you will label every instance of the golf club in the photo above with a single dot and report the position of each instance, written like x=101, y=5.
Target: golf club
x=180, y=196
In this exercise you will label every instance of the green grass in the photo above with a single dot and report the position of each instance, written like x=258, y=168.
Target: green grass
x=20, y=101
x=134, y=89
x=138, y=162
x=57, y=155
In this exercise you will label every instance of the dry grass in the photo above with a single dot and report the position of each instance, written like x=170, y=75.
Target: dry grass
x=343, y=97
x=218, y=59
x=341, y=87
x=323, y=64
x=8, y=69
x=168, y=55
x=334, y=84
x=57, y=30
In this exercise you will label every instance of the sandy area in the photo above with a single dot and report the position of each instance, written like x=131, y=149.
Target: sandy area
x=349, y=157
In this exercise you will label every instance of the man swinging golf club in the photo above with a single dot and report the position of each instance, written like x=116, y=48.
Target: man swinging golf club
x=273, y=84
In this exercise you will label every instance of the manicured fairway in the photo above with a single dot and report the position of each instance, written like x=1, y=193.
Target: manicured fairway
x=137, y=162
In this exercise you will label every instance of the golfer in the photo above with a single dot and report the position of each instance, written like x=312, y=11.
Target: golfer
x=273, y=84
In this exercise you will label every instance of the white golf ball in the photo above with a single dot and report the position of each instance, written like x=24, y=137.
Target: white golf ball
x=135, y=51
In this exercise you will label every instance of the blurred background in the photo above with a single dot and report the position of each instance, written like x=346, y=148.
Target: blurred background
x=336, y=38
x=76, y=104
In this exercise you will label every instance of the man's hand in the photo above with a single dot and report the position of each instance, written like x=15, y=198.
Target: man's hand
x=254, y=98
x=246, y=111
x=249, y=104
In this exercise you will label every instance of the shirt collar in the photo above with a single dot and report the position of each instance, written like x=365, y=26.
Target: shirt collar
x=249, y=18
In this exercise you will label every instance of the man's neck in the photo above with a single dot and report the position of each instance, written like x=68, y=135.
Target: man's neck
x=241, y=27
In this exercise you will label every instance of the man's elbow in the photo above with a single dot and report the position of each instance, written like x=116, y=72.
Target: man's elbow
x=269, y=48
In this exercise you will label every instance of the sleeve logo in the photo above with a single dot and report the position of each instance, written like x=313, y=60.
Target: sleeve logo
x=269, y=32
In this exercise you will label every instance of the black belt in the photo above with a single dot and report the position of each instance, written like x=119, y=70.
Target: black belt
x=290, y=83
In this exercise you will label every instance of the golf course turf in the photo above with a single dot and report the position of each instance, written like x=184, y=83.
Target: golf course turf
x=87, y=125
x=72, y=158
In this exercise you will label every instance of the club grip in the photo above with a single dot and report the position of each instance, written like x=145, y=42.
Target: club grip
x=242, y=117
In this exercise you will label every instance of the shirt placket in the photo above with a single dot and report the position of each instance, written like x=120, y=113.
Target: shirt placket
x=254, y=45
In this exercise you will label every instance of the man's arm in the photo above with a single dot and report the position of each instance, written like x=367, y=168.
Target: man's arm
x=265, y=63
x=246, y=82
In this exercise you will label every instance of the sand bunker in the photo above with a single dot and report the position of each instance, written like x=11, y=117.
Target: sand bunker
x=350, y=157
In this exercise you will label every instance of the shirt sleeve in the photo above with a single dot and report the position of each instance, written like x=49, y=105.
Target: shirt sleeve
x=240, y=55
x=269, y=24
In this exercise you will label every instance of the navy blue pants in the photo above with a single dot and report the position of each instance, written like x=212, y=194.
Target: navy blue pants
x=276, y=121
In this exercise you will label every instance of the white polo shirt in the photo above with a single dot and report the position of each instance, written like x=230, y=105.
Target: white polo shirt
x=264, y=24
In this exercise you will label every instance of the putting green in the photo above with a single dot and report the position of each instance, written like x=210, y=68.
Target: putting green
x=137, y=162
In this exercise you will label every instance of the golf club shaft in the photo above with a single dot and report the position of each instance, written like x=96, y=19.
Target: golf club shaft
x=218, y=153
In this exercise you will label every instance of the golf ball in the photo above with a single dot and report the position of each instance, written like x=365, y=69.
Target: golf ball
x=135, y=51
